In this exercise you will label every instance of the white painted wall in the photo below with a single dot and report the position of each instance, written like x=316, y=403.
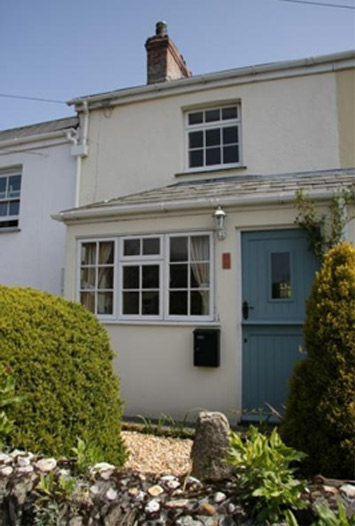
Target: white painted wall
x=34, y=256
x=155, y=360
x=288, y=125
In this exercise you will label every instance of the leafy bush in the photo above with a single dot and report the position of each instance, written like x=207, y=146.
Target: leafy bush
x=263, y=469
x=320, y=408
x=62, y=360
x=7, y=398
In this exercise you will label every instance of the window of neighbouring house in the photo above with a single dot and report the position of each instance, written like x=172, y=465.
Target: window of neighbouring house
x=10, y=191
x=213, y=137
x=162, y=277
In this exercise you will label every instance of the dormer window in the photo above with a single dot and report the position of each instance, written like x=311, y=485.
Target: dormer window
x=213, y=138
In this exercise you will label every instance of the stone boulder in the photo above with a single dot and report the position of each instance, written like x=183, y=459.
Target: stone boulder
x=210, y=446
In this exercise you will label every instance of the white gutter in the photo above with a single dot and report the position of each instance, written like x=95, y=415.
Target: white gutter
x=36, y=138
x=322, y=64
x=169, y=206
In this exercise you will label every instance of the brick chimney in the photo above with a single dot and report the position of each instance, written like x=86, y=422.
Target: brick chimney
x=164, y=61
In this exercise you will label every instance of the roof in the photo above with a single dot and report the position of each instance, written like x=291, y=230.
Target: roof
x=38, y=129
x=243, y=189
x=310, y=65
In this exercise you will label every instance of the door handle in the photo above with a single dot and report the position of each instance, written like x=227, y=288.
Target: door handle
x=245, y=310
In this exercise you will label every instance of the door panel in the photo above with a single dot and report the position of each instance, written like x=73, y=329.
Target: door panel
x=277, y=274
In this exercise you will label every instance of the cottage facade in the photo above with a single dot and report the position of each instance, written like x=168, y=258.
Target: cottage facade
x=206, y=316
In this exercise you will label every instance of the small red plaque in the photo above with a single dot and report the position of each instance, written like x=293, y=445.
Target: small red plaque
x=226, y=260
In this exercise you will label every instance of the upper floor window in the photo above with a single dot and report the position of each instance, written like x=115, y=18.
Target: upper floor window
x=10, y=190
x=213, y=137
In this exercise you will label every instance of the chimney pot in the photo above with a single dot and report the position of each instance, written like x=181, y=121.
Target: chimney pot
x=161, y=29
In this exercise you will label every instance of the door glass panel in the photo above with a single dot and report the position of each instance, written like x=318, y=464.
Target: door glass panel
x=280, y=275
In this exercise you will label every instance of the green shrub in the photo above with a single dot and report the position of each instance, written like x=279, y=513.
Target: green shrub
x=321, y=409
x=62, y=360
x=262, y=466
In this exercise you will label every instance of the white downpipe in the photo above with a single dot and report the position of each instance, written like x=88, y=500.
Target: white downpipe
x=81, y=152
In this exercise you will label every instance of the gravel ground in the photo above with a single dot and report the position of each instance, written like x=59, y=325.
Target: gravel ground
x=152, y=454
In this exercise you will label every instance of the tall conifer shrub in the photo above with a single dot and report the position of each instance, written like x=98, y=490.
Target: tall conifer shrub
x=320, y=415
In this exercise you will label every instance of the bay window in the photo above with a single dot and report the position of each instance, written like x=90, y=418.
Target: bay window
x=162, y=277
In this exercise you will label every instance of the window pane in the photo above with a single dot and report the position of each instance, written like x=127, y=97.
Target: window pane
x=14, y=208
x=178, y=248
x=212, y=115
x=195, y=158
x=229, y=113
x=213, y=137
x=151, y=246
x=200, y=303
x=178, y=303
x=200, y=248
x=131, y=303
x=196, y=118
x=88, y=300
x=14, y=186
x=200, y=275
x=105, y=278
x=280, y=275
x=87, y=278
x=150, y=276
x=131, y=277
x=196, y=139
x=178, y=276
x=150, y=303
x=106, y=250
x=9, y=224
x=213, y=156
x=88, y=253
x=3, y=181
x=4, y=209
x=131, y=247
x=230, y=135
x=105, y=303
x=230, y=154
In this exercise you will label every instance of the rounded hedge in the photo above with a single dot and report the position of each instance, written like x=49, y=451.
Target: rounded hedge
x=62, y=361
x=320, y=412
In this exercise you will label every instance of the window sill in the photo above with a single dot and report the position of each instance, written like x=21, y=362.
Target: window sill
x=161, y=323
x=210, y=171
x=9, y=230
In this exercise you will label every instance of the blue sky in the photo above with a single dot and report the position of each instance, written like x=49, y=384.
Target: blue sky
x=60, y=49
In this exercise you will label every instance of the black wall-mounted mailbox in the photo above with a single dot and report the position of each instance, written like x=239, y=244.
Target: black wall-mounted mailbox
x=207, y=347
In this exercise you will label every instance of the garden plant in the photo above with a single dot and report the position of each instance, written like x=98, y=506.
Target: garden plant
x=320, y=410
x=61, y=358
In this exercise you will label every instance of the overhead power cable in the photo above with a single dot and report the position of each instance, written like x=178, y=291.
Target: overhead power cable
x=319, y=4
x=32, y=98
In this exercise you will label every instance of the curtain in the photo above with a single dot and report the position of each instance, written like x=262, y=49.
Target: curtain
x=200, y=253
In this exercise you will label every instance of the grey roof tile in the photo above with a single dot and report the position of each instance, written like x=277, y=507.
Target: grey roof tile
x=37, y=129
x=238, y=186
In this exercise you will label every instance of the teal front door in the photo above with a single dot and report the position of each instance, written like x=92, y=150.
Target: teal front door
x=277, y=273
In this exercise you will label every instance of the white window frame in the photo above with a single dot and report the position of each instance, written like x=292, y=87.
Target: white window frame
x=220, y=124
x=7, y=174
x=162, y=260
x=197, y=318
x=96, y=267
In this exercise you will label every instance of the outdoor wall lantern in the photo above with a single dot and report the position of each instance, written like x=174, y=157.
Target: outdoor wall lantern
x=219, y=217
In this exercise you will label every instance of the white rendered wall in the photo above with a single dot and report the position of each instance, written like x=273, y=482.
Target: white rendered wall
x=288, y=125
x=155, y=360
x=34, y=255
